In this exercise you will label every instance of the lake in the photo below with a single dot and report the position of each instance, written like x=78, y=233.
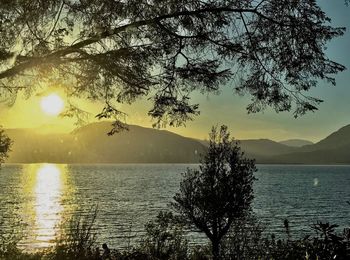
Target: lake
x=35, y=199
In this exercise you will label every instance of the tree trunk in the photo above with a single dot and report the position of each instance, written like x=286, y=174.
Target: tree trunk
x=215, y=249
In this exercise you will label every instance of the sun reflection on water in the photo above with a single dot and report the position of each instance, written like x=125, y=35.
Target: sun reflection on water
x=48, y=207
x=47, y=185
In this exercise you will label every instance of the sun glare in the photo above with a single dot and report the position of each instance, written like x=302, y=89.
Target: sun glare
x=52, y=104
x=48, y=192
x=46, y=188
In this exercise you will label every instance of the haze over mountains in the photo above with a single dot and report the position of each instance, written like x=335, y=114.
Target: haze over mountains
x=90, y=144
x=334, y=149
x=296, y=142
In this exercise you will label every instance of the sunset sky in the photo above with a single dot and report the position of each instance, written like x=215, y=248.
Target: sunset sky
x=226, y=108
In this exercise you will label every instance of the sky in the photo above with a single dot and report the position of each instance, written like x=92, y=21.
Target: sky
x=228, y=108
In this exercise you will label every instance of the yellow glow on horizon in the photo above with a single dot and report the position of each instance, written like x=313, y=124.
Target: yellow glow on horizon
x=52, y=104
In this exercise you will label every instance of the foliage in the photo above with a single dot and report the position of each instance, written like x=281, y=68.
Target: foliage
x=79, y=239
x=9, y=240
x=5, y=145
x=120, y=51
x=165, y=238
x=8, y=245
x=220, y=192
x=201, y=252
x=245, y=239
x=326, y=245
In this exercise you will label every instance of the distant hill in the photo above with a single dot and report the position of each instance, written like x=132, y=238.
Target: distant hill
x=264, y=148
x=261, y=149
x=340, y=155
x=296, y=142
x=334, y=149
x=90, y=144
x=333, y=141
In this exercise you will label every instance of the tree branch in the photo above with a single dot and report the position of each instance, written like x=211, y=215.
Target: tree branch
x=153, y=21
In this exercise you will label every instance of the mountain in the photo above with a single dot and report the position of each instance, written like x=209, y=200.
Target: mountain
x=334, y=149
x=258, y=148
x=335, y=140
x=139, y=144
x=261, y=149
x=296, y=142
x=340, y=155
x=90, y=144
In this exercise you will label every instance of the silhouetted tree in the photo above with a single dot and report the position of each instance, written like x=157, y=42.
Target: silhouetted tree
x=120, y=51
x=220, y=192
x=5, y=146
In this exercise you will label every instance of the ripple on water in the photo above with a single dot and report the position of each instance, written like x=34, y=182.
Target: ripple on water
x=38, y=198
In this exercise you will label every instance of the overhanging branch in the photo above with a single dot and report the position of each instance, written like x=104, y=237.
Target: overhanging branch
x=32, y=62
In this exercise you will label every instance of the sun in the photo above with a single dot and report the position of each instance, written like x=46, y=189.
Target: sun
x=52, y=104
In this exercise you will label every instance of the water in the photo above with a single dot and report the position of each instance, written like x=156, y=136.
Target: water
x=36, y=199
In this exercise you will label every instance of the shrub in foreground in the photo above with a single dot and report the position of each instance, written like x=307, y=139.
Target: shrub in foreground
x=165, y=238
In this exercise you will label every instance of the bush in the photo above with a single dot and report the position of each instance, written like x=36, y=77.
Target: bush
x=326, y=245
x=78, y=240
x=200, y=253
x=5, y=145
x=244, y=240
x=9, y=241
x=165, y=238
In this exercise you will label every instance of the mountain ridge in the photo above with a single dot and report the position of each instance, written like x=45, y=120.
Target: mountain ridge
x=90, y=144
x=296, y=142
